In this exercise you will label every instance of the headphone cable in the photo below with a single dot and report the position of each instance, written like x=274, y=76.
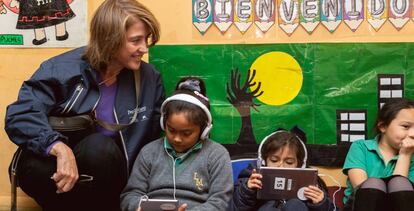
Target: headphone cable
x=336, y=191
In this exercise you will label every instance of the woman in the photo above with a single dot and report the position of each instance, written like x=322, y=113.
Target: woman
x=104, y=80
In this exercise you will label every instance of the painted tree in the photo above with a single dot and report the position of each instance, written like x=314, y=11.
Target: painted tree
x=241, y=97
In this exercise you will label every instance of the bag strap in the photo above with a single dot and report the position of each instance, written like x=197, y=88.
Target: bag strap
x=118, y=127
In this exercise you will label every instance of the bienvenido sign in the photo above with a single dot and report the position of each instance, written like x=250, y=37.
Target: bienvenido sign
x=292, y=13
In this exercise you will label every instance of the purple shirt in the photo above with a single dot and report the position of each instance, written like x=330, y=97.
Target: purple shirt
x=105, y=108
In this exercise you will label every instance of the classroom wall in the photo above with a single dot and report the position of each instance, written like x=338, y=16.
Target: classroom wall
x=16, y=65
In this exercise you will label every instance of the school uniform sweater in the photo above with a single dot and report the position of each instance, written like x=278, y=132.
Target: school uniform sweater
x=202, y=177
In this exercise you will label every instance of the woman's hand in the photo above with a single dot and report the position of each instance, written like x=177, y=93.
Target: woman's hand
x=314, y=193
x=255, y=180
x=66, y=173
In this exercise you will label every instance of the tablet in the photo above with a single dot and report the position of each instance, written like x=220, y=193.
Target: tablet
x=286, y=183
x=159, y=205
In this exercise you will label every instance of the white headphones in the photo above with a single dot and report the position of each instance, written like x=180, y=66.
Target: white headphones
x=193, y=100
x=262, y=162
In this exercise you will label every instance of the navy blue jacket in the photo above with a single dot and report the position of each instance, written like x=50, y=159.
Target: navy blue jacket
x=66, y=85
x=244, y=199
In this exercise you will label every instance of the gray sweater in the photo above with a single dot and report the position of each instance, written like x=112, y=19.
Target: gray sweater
x=203, y=179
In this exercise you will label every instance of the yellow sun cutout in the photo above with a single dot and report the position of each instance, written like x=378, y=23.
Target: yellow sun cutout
x=280, y=75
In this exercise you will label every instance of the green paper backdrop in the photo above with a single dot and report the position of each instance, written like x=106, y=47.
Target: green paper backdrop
x=335, y=76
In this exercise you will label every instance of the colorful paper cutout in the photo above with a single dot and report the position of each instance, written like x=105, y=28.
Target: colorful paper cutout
x=202, y=15
x=309, y=14
x=288, y=15
x=377, y=13
x=223, y=14
x=243, y=14
x=264, y=14
x=331, y=14
x=353, y=13
x=399, y=13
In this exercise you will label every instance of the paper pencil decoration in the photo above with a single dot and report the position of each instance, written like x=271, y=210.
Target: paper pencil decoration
x=399, y=13
x=353, y=13
x=223, y=14
x=202, y=15
x=264, y=14
x=288, y=15
x=331, y=14
x=377, y=13
x=243, y=14
x=309, y=14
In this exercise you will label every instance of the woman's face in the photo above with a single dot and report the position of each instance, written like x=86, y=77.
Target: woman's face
x=136, y=45
x=283, y=158
x=181, y=134
x=400, y=128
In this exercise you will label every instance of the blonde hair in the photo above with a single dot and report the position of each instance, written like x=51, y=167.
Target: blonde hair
x=108, y=29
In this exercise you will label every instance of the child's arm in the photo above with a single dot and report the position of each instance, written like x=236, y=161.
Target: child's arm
x=255, y=180
x=137, y=184
x=221, y=182
x=319, y=200
x=357, y=176
x=244, y=196
x=404, y=160
x=355, y=164
x=318, y=197
x=315, y=194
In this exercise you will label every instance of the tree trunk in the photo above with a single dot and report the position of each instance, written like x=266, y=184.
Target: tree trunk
x=246, y=136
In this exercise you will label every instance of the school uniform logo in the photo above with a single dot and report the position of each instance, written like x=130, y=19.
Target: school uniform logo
x=198, y=181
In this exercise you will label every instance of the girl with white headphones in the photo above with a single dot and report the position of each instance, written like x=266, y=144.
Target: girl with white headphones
x=283, y=149
x=184, y=165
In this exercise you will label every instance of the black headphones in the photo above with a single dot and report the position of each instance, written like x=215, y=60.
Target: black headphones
x=193, y=100
x=262, y=162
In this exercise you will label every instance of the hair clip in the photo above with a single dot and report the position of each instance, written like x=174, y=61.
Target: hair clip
x=201, y=95
x=190, y=84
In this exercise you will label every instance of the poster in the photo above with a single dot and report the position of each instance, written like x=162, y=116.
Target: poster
x=43, y=23
x=330, y=90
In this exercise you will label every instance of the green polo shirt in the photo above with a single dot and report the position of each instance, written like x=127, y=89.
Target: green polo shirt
x=365, y=155
x=180, y=158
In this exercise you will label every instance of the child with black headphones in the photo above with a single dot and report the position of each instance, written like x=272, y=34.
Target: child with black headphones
x=184, y=165
x=283, y=149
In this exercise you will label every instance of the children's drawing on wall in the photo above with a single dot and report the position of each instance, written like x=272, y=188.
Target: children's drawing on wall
x=274, y=79
x=43, y=14
x=42, y=23
x=330, y=91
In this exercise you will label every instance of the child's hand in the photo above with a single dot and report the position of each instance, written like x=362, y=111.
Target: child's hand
x=314, y=193
x=255, y=180
x=407, y=146
x=182, y=207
